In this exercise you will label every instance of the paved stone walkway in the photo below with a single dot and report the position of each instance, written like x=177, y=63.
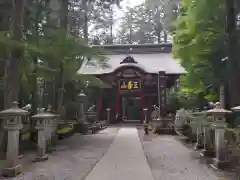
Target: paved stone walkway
x=169, y=159
x=120, y=155
x=125, y=159
x=74, y=159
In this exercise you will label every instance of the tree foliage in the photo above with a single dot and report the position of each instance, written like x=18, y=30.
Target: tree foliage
x=200, y=45
x=45, y=46
x=145, y=23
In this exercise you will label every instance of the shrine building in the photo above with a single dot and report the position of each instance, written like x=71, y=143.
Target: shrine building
x=140, y=76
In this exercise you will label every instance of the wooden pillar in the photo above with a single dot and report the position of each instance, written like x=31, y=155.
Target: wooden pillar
x=117, y=101
x=162, y=100
x=142, y=107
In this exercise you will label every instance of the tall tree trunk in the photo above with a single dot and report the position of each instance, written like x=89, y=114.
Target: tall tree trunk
x=34, y=90
x=12, y=66
x=130, y=28
x=64, y=26
x=165, y=36
x=64, y=15
x=111, y=25
x=53, y=21
x=159, y=25
x=12, y=71
x=233, y=63
x=85, y=30
x=61, y=89
x=34, y=78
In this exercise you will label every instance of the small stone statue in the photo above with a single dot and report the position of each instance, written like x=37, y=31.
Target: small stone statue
x=155, y=113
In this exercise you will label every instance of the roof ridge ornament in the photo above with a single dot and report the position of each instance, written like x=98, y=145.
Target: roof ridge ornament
x=129, y=58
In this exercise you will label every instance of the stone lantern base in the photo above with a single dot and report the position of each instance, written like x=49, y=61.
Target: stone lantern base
x=216, y=164
x=40, y=159
x=12, y=172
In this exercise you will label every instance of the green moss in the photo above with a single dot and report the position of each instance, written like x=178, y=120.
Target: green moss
x=26, y=136
x=64, y=130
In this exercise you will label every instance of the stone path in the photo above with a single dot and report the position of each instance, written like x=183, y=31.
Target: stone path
x=120, y=155
x=125, y=159
x=169, y=159
x=74, y=159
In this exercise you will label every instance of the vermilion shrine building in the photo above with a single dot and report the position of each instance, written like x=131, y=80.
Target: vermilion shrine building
x=140, y=77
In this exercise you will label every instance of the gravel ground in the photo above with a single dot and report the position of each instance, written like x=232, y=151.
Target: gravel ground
x=169, y=159
x=74, y=159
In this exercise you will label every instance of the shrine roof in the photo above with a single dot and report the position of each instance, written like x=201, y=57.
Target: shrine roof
x=150, y=58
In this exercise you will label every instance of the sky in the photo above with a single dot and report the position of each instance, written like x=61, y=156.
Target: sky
x=119, y=13
x=129, y=3
x=132, y=3
x=124, y=5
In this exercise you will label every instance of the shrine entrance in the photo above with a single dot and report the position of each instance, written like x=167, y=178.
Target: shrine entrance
x=131, y=109
x=139, y=76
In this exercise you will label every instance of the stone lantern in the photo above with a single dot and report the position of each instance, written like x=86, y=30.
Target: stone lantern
x=108, y=115
x=44, y=120
x=13, y=124
x=219, y=125
x=81, y=99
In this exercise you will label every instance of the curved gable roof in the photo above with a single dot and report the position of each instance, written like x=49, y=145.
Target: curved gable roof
x=150, y=58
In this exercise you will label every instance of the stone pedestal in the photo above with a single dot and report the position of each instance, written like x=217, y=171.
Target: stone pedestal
x=208, y=150
x=48, y=136
x=13, y=168
x=199, y=143
x=221, y=159
x=54, y=137
x=198, y=118
x=41, y=150
x=13, y=124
